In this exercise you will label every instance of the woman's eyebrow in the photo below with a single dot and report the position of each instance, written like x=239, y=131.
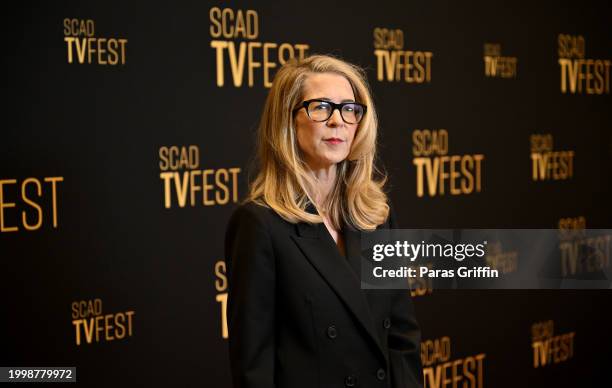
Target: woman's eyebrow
x=329, y=99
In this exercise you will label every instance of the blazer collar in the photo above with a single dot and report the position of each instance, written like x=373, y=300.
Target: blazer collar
x=307, y=230
x=320, y=249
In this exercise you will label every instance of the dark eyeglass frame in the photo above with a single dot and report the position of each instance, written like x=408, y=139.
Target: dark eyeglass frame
x=334, y=106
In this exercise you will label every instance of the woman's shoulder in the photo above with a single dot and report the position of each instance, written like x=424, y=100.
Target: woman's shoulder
x=256, y=224
x=253, y=214
x=251, y=210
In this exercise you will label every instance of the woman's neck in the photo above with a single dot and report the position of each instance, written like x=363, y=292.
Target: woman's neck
x=325, y=178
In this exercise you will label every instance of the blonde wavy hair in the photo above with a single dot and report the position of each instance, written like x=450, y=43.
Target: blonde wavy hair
x=283, y=182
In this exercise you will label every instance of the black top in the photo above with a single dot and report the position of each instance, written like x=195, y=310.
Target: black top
x=297, y=315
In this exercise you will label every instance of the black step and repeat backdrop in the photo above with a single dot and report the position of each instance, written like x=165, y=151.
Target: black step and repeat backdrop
x=127, y=141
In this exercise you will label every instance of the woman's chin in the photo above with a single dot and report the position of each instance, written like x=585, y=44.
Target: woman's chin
x=335, y=158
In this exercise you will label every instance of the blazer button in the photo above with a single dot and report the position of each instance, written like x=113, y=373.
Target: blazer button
x=387, y=323
x=332, y=332
x=350, y=381
x=381, y=374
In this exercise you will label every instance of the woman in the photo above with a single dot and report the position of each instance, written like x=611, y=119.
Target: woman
x=297, y=315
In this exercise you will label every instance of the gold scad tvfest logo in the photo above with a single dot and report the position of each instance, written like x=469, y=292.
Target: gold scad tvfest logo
x=496, y=65
x=581, y=75
x=396, y=64
x=92, y=325
x=549, y=348
x=547, y=163
x=84, y=47
x=439, y=370
x=581, y=253
x=29, y=204
x=437, y=172
x=185, y=184
x=234, y=36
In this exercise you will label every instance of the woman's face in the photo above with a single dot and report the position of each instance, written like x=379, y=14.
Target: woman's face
x=328, y=142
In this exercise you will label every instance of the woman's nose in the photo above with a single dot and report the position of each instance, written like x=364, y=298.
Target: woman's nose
x=335, y=119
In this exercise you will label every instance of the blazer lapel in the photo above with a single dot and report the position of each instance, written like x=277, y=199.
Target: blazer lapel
x=322, y=252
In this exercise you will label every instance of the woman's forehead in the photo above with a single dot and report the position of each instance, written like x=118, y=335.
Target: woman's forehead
x=328, y=85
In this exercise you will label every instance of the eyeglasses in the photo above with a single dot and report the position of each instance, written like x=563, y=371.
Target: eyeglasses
x=322, y=110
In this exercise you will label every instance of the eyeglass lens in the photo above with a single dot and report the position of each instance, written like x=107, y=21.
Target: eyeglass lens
x=322, y=111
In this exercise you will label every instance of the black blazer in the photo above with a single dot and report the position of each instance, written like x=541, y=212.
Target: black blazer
x=297, y=315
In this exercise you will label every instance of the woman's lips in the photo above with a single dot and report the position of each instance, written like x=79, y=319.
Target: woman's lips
x=333, y=140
